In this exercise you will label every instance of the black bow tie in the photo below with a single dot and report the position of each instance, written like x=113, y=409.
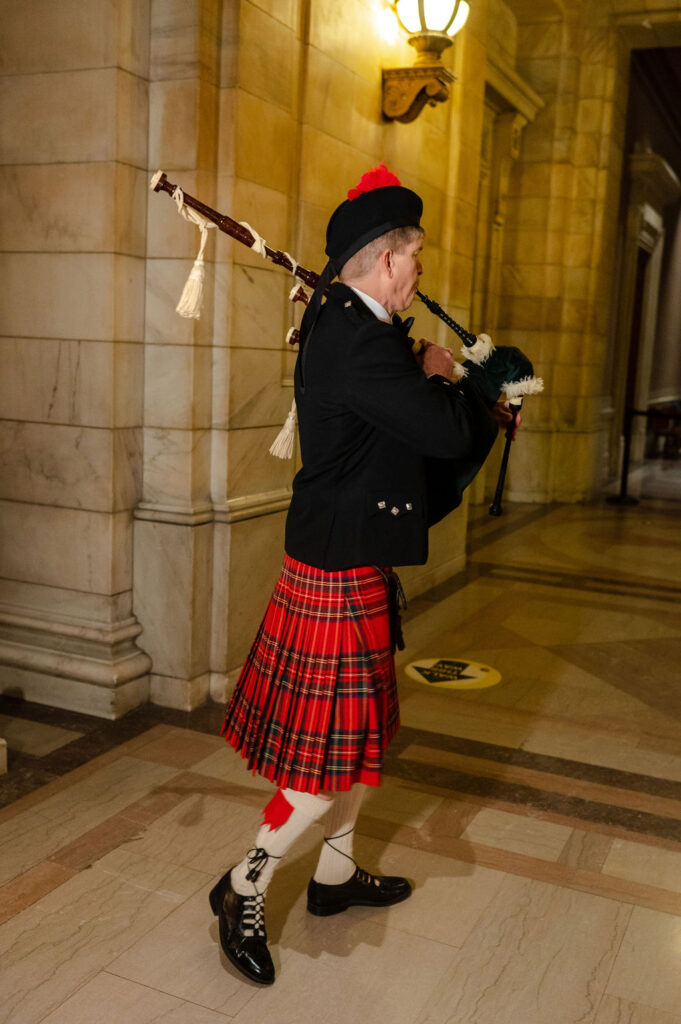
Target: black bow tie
x=402, y=325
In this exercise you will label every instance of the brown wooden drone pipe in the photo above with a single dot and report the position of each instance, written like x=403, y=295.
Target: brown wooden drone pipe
x=237, y=231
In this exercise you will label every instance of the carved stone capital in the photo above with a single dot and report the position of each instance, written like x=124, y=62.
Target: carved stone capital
x=509, y=128
x=407, y=90
x=653, y=181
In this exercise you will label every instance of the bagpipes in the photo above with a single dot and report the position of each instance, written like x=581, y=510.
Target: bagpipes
x=495, y=369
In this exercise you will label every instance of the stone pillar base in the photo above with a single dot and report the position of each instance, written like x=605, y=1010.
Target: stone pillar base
x=80, y=665
x=182, y=694
x=222, y=685
x=88, y=698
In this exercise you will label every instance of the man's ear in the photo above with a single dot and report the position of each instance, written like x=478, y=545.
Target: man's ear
x=387, y=261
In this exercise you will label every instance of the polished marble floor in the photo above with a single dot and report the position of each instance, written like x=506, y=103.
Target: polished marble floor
x=539, y=819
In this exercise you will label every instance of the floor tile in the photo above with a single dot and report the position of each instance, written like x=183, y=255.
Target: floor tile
x=647, y=967
x=203, y=833
x=514, y=811
x=437, y=623
x=180, y=748
x=48, y=951
x=586, y=850
x=106, y=792
x=449, y=896
x=224, y=763
x=549, y=622
x=401, y=802
x=181, y=957
x=642, y=863
x=64, y=817
x=610, y=749
x=116, y=1000
x=34, y=737
x=621, y=1011
x=593, y=540
x=348, y=968
x=647, y=671
x=530, y=836
x=433, y=712
x=32, y=885
x=538, y=955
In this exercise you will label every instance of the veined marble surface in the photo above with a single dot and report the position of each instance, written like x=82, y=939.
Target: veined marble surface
x=540, y=819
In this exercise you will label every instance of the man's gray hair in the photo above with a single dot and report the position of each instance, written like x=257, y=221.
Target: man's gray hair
x=363, y=261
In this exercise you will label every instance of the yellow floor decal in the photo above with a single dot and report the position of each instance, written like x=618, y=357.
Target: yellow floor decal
x=453, y=674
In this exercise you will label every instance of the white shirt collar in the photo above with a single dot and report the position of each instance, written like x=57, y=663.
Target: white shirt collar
x=376, y=308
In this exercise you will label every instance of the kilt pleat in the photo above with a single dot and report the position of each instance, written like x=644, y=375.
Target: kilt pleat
x=316, y=702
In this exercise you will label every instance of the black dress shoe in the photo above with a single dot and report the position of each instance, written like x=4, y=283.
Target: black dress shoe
x=361, y=890
x=242, y=930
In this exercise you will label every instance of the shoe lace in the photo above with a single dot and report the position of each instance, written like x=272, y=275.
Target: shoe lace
x=253, y=916
x=366, y=878
x=257, y=859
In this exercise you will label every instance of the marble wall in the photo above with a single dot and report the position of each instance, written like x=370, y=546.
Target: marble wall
x=74, y=103
x=137, y=493
x=560, y=279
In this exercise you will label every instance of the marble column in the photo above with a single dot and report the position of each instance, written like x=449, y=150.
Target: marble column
x=652, y=185
x=665, y=383
x=72, y=234
x=173, y=534
x=561, y=211
x=510, y=104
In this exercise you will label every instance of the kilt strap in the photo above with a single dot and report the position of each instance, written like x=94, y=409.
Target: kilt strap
x=397, y=601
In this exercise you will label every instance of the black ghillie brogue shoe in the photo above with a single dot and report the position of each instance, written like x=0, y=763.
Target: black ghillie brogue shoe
x=242, y=930
x=361, y=890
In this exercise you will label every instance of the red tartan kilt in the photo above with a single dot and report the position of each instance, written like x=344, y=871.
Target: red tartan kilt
x=316, y=702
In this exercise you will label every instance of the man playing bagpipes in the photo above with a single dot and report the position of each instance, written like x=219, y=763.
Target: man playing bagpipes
x=389, y=440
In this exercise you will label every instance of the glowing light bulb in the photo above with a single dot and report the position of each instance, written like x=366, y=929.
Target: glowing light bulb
x=408, y=13
x=438, y=15
x=460, y=19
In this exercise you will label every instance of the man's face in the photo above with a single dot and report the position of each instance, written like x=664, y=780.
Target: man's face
x=407, y=269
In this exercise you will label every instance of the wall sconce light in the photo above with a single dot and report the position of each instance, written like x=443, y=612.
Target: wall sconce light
x=431, y=25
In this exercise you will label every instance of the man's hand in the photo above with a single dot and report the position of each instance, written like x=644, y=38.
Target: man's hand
x=503, y=415
x=434, y=359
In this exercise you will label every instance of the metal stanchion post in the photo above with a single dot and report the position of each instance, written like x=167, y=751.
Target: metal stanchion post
x=623, y=498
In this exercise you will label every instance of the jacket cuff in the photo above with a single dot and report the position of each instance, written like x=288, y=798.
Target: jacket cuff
x=438, y=378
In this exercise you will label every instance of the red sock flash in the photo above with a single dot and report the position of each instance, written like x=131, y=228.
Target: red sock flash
x=278, y=811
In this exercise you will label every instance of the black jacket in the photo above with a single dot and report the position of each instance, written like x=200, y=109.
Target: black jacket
x=386, y=451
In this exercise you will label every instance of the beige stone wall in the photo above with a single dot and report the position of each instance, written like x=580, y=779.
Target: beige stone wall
x=137, y=491
x=72, y=234
x=560, y=280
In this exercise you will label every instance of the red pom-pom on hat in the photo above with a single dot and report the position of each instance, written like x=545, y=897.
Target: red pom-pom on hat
x=377, y=177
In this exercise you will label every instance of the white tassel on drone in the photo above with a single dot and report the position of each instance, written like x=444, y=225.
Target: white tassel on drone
x=282, y=446
x=520, y=388
x=191, y=299
x=479, y=352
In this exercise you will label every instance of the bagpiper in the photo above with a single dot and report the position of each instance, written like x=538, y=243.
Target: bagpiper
x=388, y=439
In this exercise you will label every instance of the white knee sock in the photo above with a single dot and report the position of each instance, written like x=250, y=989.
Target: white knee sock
x=336, y=863
x=254, y=873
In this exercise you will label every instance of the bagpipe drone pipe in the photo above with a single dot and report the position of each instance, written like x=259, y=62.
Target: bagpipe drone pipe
x=492, y=369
